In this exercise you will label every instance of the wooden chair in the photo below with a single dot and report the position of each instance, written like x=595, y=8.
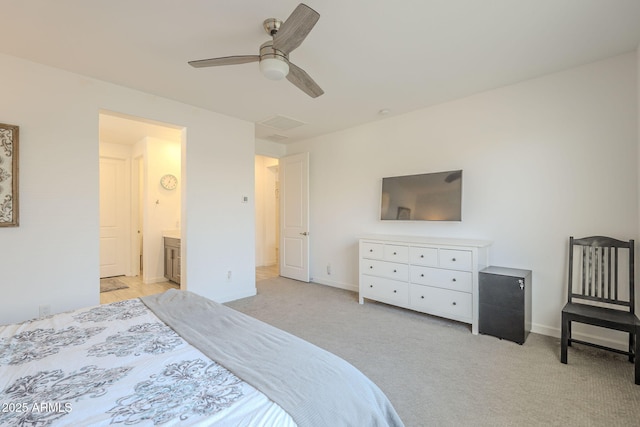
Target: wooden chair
x=595, y=297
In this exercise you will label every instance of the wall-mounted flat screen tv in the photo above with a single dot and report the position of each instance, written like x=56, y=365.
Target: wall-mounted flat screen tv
x=425, y=197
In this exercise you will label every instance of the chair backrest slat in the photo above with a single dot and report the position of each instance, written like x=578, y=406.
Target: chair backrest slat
x=600, y=270
x=585, y=273
x=615, y=282
x=594, y=263
x=609, y=251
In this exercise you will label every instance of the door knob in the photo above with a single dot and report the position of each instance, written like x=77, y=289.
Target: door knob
x=305, y=233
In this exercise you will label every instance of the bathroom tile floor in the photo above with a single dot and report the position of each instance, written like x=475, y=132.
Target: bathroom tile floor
x=137, y=288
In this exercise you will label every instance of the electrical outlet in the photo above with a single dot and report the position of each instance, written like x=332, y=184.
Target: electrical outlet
x=44, y=310
x=328, y=269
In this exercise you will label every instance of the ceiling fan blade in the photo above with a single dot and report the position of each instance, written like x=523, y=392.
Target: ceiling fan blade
x=295, y=29
x=302, y=81
x=226, y=60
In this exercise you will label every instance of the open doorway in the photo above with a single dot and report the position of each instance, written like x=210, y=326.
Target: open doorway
x=136, y=210
x=267, y=217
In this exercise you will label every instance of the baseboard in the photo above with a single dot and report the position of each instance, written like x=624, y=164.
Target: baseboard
x=604, y=341
x=155, y=280
x=237, y=295
x=545, y=330
x=334, y=284
x=267, y=264
x=535, y=328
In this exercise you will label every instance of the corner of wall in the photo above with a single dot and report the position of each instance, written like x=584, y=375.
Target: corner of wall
x=270, y=149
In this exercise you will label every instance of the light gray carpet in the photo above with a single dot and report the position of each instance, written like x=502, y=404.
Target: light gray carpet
x=436, y=373
x=111, y=284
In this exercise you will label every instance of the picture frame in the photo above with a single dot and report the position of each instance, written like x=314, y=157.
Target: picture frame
x=9, y=141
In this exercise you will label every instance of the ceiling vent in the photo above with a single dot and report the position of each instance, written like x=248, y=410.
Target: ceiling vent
x=276, y=138
x=281, y=122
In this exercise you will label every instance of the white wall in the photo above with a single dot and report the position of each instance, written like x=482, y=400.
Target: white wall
x=542, y=160
x=52, y=257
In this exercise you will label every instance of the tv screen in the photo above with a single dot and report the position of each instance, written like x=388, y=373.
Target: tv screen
x=425, y=197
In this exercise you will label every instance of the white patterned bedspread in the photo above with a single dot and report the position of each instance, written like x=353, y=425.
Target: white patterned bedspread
x=119, y=364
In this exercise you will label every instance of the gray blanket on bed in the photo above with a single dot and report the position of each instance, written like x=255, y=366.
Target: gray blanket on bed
x=315, y=387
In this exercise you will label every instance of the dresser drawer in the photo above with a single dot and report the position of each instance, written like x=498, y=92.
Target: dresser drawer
x=385, y=290
x=448, y=279
x=390, y=270
x=371, y=250
x=441, y=302
x=455, y=259
x=423, y=256
x=396, y=253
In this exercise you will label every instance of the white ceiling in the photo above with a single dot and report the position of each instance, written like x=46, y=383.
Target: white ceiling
x=367, y=55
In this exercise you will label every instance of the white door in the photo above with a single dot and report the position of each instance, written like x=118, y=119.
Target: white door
x=294, y=217
x=113, y=217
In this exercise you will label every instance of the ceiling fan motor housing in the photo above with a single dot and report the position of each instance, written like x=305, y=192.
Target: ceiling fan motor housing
x=271, y=26
x=274, y=64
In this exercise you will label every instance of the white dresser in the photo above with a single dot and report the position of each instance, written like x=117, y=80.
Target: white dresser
x=437, y=276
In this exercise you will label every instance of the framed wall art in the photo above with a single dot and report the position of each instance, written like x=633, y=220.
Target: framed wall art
x=8, y=175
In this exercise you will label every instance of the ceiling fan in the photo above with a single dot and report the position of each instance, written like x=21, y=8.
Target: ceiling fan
x=274, y=54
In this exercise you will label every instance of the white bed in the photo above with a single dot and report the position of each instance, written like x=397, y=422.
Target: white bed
x=121, y=364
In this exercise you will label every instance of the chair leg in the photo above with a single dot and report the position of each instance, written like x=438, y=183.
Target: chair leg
x=569, y=335
x=564, y=339
x=637, y=352
x=632, y=353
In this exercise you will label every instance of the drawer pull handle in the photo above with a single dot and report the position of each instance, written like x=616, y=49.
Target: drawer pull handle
x=371, y=286
x=395, y=253
x=454, y=279
x=370, y=250
x=454, y=303
x=394, y=291
x=422, y=275
x=421, y=256
x=422, y=297
x=395, y=271
x=371, y=267
x=453, y=259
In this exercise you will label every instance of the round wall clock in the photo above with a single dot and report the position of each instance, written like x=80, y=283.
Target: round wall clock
x=168, y=181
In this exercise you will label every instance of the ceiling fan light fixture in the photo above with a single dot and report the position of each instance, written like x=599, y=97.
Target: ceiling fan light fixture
x=273, y=68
